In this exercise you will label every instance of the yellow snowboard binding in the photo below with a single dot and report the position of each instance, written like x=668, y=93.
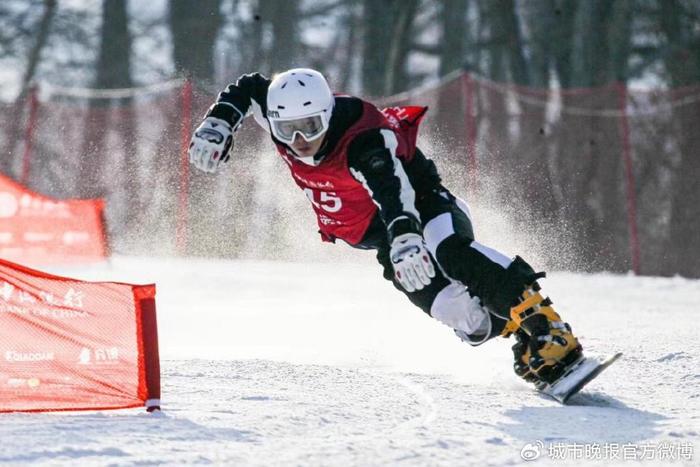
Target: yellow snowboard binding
x=545, y=344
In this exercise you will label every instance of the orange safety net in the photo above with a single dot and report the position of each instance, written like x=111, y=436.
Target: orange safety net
x=35, y=229
x=67, y=344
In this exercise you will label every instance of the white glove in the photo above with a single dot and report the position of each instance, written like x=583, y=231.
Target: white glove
x=211, y=144
x=413, y=267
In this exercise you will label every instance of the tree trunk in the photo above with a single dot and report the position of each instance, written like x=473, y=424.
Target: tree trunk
x=253, y=53
x=14, y=130
x=509, y=23
x=591, y=54
x=194, y=26
x=113, y=70
x=387, y=42
x=562, y=38
x=453, y=19
x=348, y=62
x=376, y=36
x=285, y=34
x=592, y=172
x=684, y=68
x=35, y=53
x=619, y=37
x=451, y=109
x=534, y=182
x=397, y=75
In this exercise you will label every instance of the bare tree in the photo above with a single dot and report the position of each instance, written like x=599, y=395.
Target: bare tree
x=387, y=43
x=678, y=21
x=352, y=33
x=35, y=52
x=562, y=38
x=113, y=70
x=285, y=34
x=34, y=56
x=253, y=57
x=194, y=26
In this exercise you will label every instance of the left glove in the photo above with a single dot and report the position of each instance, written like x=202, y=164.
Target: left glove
x=211, y=144
x=413, y=267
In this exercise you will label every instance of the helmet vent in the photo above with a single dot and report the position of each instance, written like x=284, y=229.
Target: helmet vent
x=307, y=103
x=284, y=85
x=281, y=107
x=301, y=82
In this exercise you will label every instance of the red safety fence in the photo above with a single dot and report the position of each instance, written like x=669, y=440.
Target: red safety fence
x=606, y=171
x=38, y=230
x=67, y=344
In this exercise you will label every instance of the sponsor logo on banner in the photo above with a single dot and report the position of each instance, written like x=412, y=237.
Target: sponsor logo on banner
x=71, y=303
x=73, y=298
x=35, y=206
x=42, y=311
x=73, y=237
x=26, y=297
x=8, y=204
x=98, y=356
x=85, y=356
x=107, y=355
x=38, y=237
x=6, y=291
x=24, y=382
x=16, y=356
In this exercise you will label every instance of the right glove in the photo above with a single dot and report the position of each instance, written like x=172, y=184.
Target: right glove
x=413, y=267
x=211, y=144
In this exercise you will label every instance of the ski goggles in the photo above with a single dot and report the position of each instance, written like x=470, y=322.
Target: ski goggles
x=310, y=128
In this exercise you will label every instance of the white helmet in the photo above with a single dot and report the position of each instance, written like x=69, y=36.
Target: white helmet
x=299, y=101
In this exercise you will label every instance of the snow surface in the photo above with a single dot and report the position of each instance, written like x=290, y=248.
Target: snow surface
x=304, y=364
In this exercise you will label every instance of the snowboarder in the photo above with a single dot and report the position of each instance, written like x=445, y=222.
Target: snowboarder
x=371, y=187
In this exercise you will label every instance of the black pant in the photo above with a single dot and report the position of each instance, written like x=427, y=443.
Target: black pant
x=498, y=286
x=429, y=206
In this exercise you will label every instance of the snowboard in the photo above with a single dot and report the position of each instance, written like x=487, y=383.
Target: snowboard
x=576, y=376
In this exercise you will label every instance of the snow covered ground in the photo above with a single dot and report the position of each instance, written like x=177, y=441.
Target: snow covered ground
x=326, y=364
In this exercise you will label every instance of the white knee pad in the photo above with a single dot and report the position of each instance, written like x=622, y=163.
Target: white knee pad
x=454, y=307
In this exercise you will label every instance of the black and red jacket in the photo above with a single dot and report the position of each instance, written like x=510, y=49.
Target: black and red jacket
x=368, y=165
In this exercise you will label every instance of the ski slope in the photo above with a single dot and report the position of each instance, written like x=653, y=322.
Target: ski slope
x=269, y=363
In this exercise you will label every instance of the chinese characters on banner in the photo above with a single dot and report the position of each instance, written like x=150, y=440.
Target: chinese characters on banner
x=66, y=344
x=38, y=230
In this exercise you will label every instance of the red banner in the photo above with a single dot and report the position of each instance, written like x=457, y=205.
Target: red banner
x=66, y=344
x=35, y=229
